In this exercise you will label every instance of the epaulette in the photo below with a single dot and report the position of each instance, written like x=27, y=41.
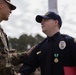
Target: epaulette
x=67, y=37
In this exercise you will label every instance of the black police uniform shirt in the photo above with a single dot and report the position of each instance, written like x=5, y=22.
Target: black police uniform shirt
x=51, y=55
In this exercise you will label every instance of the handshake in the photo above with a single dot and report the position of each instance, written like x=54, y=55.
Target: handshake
x=17, y=59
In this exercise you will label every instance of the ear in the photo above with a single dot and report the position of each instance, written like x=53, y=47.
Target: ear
x=56, y=22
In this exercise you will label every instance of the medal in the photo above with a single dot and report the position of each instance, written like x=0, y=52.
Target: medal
x=56, y=60
x=56, y=55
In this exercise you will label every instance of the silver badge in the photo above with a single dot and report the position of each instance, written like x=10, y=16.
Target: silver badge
x=62, y=45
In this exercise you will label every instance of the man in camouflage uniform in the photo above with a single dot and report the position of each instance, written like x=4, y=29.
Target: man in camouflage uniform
x=5, y=10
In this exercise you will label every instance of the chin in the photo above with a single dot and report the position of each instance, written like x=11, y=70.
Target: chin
x=6, y=19
x=43, y=31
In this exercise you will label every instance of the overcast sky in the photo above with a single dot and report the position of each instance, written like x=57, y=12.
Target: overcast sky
x=22, y=20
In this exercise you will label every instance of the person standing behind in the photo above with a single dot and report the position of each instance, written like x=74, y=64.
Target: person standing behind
x=5, y=10
x=54, y=53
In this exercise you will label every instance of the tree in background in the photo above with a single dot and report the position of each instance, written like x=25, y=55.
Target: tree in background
x=25, y=41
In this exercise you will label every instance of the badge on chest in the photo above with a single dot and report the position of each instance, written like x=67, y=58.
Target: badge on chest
x=62, y=45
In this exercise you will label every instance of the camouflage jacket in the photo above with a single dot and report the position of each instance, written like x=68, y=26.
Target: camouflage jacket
x=4, y=70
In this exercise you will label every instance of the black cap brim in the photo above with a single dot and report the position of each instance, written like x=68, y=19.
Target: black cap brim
x=40, y=17
x=12, y=7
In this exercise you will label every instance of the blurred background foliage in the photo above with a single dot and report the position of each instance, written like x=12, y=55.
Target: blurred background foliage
x=24, y=42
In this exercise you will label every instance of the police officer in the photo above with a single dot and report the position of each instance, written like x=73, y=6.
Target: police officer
x=54, y=53
x=5, y=10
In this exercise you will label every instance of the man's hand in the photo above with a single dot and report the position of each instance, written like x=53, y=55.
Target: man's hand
x=20, y=58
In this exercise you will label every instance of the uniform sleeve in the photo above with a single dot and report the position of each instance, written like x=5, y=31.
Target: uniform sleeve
x=30, y=64
x=73, y=50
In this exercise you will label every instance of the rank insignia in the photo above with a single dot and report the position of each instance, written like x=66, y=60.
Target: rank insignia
x=56, y=60
x=62, y=45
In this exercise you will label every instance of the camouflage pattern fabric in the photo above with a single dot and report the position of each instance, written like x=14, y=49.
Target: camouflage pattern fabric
x=3, y=69
x=2, y=61
x=7, y=71
x=18, y=59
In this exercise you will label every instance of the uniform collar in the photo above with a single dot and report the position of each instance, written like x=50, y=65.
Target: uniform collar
x=54, y=37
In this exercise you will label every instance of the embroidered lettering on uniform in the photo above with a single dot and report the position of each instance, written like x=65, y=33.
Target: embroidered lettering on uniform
x=38, y=52
x=62, y=45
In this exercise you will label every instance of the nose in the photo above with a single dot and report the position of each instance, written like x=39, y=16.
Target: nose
x=42, y=22
x=10, y=10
